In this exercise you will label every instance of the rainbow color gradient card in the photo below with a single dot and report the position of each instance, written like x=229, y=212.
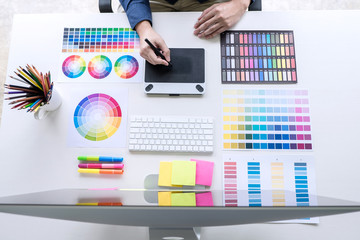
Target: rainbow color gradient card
x=262, y=57
x=266, y=119
x=276, y=181
x=101, y=55
x=97, y=116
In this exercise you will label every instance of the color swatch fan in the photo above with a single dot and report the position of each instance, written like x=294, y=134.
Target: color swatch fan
x=100, y=67
x=97, y=117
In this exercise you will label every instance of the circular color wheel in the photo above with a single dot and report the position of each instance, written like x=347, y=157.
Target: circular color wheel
x=74, y=66
x=99, y=67
x=97, y=117
x=126, y=66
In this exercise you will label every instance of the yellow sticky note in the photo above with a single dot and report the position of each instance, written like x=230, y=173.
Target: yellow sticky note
x=183, y=173
x=164, y=198
x=165, y=173
x=183, y=199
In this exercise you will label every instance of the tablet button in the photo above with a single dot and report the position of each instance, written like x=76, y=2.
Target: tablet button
x=149, y=87
x=199, y=88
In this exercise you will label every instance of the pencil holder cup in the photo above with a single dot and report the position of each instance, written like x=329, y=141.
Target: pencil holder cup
x=52, y=105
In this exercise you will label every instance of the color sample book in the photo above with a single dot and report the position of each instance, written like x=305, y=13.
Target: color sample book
x=268, y=119
x=277, y=181
x=258, y=57
x=100, y=40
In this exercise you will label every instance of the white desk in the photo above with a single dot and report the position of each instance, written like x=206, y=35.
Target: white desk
x=327, y=53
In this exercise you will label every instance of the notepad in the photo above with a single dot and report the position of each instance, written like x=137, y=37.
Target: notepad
x=204, y=172
x=183, y=173
x=165, y=173
x=164, y=198
x=183, y=199
x=204, y=199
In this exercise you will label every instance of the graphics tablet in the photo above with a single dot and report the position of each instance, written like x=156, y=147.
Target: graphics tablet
x=187, y=75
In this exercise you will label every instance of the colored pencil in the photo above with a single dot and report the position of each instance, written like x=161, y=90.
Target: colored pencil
x=36, y=91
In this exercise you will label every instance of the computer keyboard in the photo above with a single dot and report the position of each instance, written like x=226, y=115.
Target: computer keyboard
x=171, y=134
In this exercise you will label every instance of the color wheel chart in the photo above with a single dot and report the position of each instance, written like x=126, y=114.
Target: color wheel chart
x=74, y=66
x=268, y=119
x=97, y=117
x=99, y=67
x=102, y=67
x=126, y=66
x=100, y=40
x=276, y=181
x=258, y=57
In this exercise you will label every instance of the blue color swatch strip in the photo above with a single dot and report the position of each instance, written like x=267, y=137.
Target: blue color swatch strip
x=254, y=185
x=301, y=184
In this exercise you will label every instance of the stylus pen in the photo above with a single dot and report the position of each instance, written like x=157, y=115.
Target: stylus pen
x=101, y=165
x=100, y=159
x=100, y=171
x=157, y=52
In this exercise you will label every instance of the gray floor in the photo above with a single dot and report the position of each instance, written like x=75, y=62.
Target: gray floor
x=9, y=8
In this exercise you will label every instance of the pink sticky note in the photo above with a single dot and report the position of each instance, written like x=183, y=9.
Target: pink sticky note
x=204, y=199
x=204, y=172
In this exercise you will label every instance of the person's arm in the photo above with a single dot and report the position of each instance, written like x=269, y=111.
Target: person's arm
x=220, y=17
x=137, y=11
x=140, y=19
x=145, y=30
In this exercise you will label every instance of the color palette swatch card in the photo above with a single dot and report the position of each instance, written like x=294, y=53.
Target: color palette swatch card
x=83, y=39
x=101, y=67
x=258, y=57
x=266, y=119
x=275, y=181
x=97, y=116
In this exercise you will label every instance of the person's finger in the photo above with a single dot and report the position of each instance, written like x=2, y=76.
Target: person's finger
x=210, y=30
x=153, y=59
x=205, y=18
x=218, y=31
x=206, y=26
x=165, y=50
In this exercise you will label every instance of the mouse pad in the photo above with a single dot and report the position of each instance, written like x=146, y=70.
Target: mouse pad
x=188, y=66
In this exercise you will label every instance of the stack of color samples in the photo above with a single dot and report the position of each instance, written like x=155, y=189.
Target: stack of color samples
x=189, y=173
x=258, y=57
x=104, y=165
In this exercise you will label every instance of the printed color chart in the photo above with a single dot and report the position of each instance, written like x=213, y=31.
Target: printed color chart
x=258, y=57
x=97, y=117
x=266, y=119
x=257, y=181
x=100, y=40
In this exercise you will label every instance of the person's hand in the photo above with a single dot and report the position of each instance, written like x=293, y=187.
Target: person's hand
x=220, y=17
x=145, y=30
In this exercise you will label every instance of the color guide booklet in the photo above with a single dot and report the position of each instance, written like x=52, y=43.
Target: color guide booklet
x=258, y=57
x=101, y=55
x=266, y=119
x=284, y=180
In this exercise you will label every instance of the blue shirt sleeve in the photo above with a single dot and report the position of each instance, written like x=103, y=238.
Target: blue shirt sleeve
x=137, y=11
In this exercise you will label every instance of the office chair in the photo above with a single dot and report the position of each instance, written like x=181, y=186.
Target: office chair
x=105, y=6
